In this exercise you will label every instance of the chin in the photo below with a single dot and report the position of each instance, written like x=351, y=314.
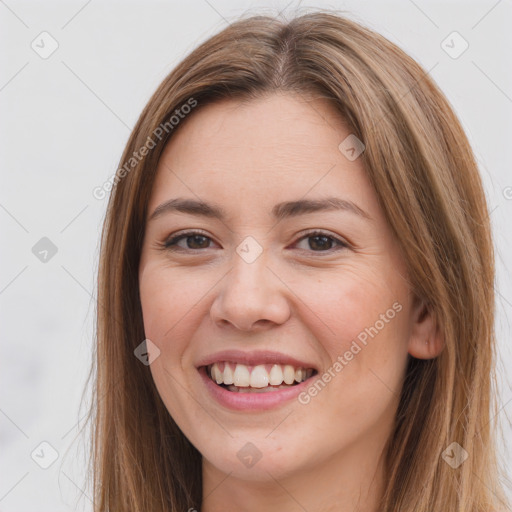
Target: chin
x=256, y=459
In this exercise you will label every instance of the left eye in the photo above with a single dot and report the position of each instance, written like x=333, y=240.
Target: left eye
x=322, y=242
x=318, y=242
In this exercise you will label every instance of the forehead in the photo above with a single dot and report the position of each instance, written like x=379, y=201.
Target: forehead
x=282, y=124
x=264, y=149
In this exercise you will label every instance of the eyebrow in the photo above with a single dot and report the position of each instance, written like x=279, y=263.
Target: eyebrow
x=280, y=211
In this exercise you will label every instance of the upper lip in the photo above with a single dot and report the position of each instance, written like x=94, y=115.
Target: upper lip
x=253, y=358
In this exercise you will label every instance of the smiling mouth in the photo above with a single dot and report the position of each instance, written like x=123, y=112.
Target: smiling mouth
x=263, y=378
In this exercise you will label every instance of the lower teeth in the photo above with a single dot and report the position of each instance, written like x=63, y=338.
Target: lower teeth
x=237, y=389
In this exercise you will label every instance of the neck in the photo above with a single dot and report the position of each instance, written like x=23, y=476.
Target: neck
x=347, y=482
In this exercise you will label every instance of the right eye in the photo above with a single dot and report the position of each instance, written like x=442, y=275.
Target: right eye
x=193, y=240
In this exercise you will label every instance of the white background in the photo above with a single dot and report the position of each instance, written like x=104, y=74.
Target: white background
x=64, y=122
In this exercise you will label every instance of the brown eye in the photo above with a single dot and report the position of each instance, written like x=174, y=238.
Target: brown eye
x=197, y=241
x=322, y=242
x=192, y=241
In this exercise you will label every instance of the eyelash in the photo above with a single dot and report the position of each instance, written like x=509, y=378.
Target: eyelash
x=170, y=243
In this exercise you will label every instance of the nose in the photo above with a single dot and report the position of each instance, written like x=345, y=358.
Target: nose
x=251, y=297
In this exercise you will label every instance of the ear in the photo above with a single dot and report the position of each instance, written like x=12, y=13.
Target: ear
x=426, y=340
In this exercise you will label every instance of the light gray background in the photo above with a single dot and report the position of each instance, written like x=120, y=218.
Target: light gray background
x=64, y=122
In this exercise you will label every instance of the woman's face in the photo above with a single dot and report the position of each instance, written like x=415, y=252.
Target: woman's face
x=282, y=285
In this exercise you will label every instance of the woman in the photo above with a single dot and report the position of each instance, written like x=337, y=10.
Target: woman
x=296, y=287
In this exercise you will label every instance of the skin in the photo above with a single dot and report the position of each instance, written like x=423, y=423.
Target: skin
x=296, y=298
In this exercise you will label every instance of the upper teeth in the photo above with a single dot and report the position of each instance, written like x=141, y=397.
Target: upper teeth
x=259, y=376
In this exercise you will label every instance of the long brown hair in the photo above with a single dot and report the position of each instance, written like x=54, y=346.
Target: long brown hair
x=424, y=173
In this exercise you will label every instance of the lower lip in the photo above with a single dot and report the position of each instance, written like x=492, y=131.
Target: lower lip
x=251, y=401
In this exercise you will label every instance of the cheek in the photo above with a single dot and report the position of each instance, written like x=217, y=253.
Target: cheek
x=356, y=303
x=168, y=299
x=364, y=331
